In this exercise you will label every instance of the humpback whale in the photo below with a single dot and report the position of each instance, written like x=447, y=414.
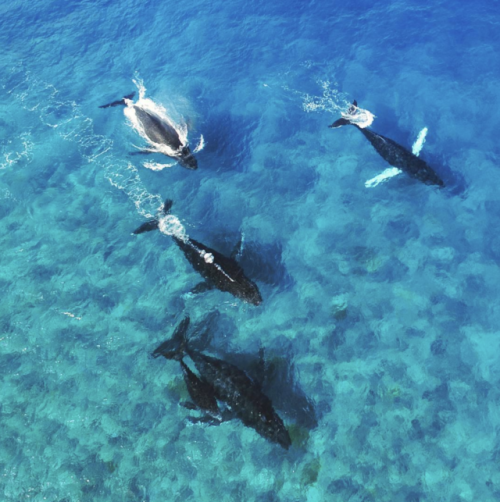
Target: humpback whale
x=231, y=386
x=218, y=270
x=395, y=154
x=200, y=391
x=161, y=134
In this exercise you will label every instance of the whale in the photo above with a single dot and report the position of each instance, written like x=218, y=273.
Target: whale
x=161, y=134
x=202, y=394
x=392, y=152
x=218, y=271
x=231, y=386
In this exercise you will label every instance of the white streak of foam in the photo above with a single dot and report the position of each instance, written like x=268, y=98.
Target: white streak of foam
x=330, y=100
x=419, y=142
x=126, y=178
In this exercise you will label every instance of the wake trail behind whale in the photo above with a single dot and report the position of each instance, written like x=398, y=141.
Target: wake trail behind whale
x=70, y=123
x=331, y=101
x=16, y=150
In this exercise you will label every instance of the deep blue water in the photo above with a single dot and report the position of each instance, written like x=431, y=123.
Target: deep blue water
x=380, y=314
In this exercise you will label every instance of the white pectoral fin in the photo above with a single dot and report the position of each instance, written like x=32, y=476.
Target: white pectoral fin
x=394, y=171
x=389, y=173
x=419, y=142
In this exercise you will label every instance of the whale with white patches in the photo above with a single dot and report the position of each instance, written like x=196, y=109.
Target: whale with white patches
x=392, y=152
x=161, y=134
x=219, y=271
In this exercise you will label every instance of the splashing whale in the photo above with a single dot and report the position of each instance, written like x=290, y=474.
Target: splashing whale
x=159, y=131
x=395, y=154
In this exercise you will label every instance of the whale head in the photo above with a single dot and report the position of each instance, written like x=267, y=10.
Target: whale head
x=187, y=159
x=248, y=292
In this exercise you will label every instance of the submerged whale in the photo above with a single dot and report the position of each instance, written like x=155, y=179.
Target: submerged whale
x=200, y=391
x=231, y=386
x=218, y=270
x=395, y=154
x=161, y=134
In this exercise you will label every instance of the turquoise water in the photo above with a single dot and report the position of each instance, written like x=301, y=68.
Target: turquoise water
x=380, y=313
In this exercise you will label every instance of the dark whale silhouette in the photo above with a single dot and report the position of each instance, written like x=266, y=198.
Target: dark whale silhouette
x=218, y=270
x=201, y=392
x=232, y=386
x=158, y=132
x=395, y=154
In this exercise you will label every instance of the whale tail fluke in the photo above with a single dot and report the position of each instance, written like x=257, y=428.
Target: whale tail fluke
x=339, y=123
x=174, y=347
x=121, y=102
x=153, y=224
x=146, y=227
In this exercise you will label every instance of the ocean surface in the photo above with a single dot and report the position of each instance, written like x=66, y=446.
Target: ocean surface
x=380, y=319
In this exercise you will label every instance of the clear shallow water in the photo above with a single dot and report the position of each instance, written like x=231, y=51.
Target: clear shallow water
x=382, y=299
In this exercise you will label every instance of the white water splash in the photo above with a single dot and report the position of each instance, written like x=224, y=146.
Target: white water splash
x=155, y=109
x=360, y=117
x=156, y=166
x=394, y=171
x=332, y=101
x=200, y=145
x=171, y=225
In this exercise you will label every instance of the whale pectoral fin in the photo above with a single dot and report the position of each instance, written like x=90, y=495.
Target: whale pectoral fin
x=237, y=249
x=146, y=227
x=202, y=287
x=141, y=152
x=339, y=123
x=207, y=419
x=119, y=102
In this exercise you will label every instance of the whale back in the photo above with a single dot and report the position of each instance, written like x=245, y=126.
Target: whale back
x=220, y=271
x=245, y=397
x=157, y=130
x=398, y=156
